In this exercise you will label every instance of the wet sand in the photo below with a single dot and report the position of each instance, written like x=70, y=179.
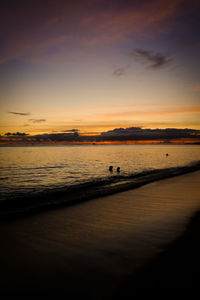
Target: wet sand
x=99, y=248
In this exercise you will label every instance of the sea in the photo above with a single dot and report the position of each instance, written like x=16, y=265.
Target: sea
x=34, y=169
x=92, y=247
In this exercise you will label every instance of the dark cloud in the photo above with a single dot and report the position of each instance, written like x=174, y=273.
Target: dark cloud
x=16, y=134
x=119, y=72
x=19, y=113
x=70, y=130
x=37, y=120
x=117, y=134
x=137, y=133
x=154, y=60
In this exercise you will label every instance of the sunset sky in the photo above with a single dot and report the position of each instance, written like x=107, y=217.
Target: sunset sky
x=95, y=65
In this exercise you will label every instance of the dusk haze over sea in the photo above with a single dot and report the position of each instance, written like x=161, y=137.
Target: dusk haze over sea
x=99, y=147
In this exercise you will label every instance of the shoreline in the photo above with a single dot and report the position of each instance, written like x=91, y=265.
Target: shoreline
x=48, y=200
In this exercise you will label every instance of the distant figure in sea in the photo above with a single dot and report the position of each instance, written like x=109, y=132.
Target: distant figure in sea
x=118, y=169
x=111, y=168
x=167, y=154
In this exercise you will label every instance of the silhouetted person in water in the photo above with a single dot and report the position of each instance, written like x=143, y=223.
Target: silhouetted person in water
x=111, y=168
x=118, y=169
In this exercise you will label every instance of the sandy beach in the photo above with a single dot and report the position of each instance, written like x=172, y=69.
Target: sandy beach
x=177, y=267
x=99, y=248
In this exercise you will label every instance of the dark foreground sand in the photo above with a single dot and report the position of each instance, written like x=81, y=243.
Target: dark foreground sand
x=177, y=267
x=98, y=254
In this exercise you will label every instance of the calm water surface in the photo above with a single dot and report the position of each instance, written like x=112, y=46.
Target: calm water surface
x=38, y=168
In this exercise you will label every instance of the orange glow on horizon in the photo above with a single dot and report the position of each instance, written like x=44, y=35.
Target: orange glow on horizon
x=19, y=141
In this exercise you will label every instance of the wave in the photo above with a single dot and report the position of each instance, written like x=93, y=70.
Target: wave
x=56, y=197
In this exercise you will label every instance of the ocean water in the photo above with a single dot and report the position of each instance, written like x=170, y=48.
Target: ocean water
x=91, y=248
x=40, y=168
